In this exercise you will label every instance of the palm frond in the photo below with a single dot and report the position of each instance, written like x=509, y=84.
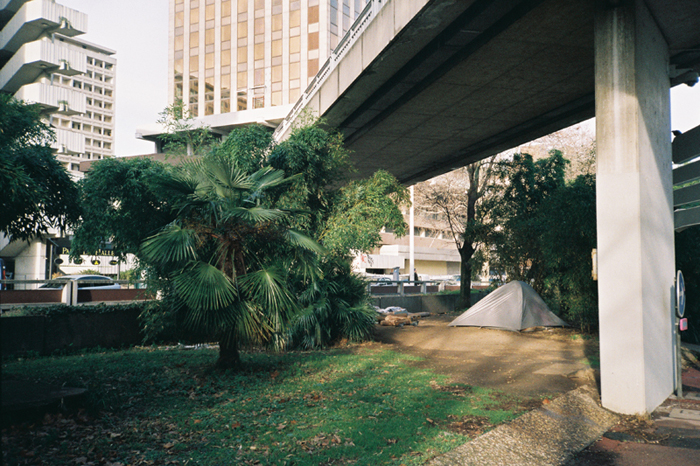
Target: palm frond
x=268, y=177
x=173, y=244
x=204, y=288
x=251, y=327
x=299, y=239
x=254, y=214
x=266, y=288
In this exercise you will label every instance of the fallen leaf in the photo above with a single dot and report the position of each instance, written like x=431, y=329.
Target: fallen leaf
x=169, y=445
x=197, y=421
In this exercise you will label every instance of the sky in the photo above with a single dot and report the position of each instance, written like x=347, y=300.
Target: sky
x=138, y=31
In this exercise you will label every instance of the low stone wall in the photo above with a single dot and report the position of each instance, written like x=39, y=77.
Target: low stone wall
x=46, y=334
x=433, y=303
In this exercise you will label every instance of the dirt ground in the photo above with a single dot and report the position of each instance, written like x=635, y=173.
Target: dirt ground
x=542, y=362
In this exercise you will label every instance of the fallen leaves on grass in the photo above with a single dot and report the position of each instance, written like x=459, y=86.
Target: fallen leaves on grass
x=471, y=426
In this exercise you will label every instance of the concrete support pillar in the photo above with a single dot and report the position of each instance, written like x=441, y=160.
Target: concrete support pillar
x=634, y=208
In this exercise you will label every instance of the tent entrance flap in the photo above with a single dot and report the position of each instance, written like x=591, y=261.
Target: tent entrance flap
x=514, y=306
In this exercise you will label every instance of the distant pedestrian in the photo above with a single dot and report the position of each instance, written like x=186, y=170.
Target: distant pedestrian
x=415, y=275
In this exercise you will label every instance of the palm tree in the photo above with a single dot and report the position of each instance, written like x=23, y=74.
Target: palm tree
x=228, y=253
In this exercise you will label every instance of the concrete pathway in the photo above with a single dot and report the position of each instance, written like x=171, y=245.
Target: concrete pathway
x=549, y=435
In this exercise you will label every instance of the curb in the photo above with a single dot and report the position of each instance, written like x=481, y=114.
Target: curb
x=550, y=435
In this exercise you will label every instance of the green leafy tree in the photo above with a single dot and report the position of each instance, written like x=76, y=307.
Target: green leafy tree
x=38, y=194
x=120, y=204
x=568, y=219
x=331, y=303
x=515, y=224
x=228, y=253
x=542, y=231
x=345, y=218
x=457, y=199
x=361, y=209
x=183, y=135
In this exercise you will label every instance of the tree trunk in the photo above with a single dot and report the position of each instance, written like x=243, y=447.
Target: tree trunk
x=467, y=250
x=229, y=357
x=465, y=280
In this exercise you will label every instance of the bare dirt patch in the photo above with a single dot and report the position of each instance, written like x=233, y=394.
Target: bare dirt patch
x=539, y=362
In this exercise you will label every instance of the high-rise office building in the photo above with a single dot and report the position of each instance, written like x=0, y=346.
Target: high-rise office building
x=249, y=60
x=43, y=61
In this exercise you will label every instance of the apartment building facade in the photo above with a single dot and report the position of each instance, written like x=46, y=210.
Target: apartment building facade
x=43, y=61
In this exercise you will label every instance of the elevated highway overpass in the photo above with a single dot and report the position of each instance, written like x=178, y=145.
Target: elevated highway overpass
x=420, y=87
x=423, y=87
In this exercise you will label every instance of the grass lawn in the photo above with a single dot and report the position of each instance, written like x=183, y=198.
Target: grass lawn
x=360, y=406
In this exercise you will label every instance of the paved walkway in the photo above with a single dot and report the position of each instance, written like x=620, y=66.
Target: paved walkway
x=671, y=436
x=549, y=435
x=573, y=430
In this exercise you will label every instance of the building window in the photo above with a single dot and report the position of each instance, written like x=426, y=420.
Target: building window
x=225, y=93
x=312, y=68
x=242, y=100
x=194, y=40
x=194, y=95
x=209, y=96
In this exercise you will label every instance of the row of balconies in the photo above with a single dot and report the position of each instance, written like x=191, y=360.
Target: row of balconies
x=90, y=90
x=68, y=142
x=39, y=64
x=38, y=18
x=40, y=57
x=53, y=99
x=73, y=144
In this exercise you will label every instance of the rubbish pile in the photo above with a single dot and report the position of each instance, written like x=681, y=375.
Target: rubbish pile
x=394, y=316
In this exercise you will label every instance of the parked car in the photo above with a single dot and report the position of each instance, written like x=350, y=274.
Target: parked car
x=383, y=281
x=105, y=283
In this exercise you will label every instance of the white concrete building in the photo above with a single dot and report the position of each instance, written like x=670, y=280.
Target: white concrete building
x=435, y=252
x=43, y=61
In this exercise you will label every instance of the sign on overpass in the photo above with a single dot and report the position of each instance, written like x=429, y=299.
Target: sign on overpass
x=686, y=179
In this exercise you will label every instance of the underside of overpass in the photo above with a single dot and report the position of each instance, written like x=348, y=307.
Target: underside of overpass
x=463, y=80
x=420, y=87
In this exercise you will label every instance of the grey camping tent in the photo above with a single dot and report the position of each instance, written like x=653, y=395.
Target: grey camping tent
x=514, y=306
